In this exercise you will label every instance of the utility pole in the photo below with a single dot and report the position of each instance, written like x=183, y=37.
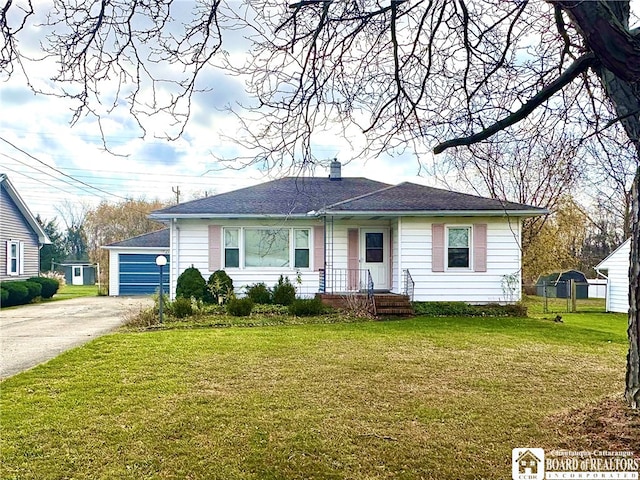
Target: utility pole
x=176, y=191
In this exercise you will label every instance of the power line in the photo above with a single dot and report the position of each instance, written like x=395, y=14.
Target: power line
x=60, y=172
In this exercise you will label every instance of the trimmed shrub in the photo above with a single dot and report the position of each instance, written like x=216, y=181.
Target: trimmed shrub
x=4, y=296
x=461, y=309
x=219, y=287
x=191, y=284
x=306, y=307
x=35, y=289
x=49, y=286
x=240, y=307
x=181, y=307
x=260, y=294
x=18, y=293
x=284, y=293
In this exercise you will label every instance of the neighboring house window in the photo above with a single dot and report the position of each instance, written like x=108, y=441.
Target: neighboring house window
x=266, y=247
x=231, y=247
x=301, y=255
x=14, y=266
x=458, y=247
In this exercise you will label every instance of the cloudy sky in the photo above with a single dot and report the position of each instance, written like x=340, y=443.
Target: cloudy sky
x=52, y=163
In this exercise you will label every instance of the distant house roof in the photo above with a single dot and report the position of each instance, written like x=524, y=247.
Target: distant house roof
x=158, y=239
x=306, y=196
x=43, y=238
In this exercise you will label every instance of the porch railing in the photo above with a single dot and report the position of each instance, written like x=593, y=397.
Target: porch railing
x=409, y=284
x=344, y=280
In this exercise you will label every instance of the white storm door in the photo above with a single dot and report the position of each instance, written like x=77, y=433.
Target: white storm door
x=374, y=255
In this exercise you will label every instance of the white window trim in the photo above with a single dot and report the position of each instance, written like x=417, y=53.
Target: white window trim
x=446, y=249
x=240, y=249
x=292, y=249
x=19, y=258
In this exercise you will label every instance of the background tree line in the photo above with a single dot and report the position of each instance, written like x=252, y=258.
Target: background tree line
x=85, y=230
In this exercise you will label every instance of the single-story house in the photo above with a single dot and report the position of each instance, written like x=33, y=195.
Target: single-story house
x=615, y=268
x=21, y=236
x=132, y=264
x=335, y=235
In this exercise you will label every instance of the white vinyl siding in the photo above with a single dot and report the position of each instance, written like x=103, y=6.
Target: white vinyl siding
x=191, y=239
x=411, y=249
x=617, y=271
x=503, y=258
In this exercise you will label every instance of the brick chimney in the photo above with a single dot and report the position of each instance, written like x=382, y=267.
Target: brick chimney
x=335, y=170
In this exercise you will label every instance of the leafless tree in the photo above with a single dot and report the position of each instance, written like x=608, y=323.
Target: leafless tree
x=426, y=75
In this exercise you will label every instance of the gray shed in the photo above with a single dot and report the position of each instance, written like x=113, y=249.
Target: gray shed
x=557, y=284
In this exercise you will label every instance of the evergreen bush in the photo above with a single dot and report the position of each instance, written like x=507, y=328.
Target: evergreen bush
x=18, y=293
x=181, y=307
x=50, y=286
x=240, y=307
x=284, y=293
x=191, y=284
x=35, y=289
x=260, y=294
x=4, y=296
x=306, y=307
x=220, y=287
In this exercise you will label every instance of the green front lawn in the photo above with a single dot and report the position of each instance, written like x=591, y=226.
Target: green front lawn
x=421, y=398
x=65, y=292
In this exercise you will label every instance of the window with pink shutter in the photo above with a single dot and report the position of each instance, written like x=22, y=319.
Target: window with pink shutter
x=437, y=247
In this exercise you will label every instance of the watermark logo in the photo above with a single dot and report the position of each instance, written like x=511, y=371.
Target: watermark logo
x=527, y=464
x=533, y=464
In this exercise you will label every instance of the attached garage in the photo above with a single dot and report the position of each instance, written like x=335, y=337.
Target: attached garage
x=138, y=274
x=132, y=264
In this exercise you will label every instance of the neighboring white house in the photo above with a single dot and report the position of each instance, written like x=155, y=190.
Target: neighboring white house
x=616, y=269
x=334, y=235
x=21, y=236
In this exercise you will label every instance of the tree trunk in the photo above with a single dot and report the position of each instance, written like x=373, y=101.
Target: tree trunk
x=632, y=389
x=604, y=27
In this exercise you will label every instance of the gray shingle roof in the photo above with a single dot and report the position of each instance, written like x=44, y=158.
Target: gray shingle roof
x=158, y=239
x=411, y=197
x=300, y=196
x=286, y=196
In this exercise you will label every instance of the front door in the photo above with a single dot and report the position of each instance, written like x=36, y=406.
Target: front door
x=374, y=255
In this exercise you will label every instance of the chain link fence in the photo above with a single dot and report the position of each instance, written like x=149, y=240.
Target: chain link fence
x=569, y=296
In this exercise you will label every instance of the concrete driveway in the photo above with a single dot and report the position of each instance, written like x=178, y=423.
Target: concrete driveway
x=33, y=334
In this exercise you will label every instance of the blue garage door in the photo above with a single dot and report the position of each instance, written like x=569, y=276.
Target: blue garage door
x=139, y=274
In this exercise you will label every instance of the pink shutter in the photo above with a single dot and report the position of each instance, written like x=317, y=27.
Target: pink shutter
x=214, y=247
x=318, y=248
x=437, y=247
x=480, y=247
x=353, y=263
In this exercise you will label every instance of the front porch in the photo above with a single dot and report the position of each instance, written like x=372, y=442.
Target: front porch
x=348, y=288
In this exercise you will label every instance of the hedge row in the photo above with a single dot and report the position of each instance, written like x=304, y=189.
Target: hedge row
x=462, y=309
x=21, y=292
